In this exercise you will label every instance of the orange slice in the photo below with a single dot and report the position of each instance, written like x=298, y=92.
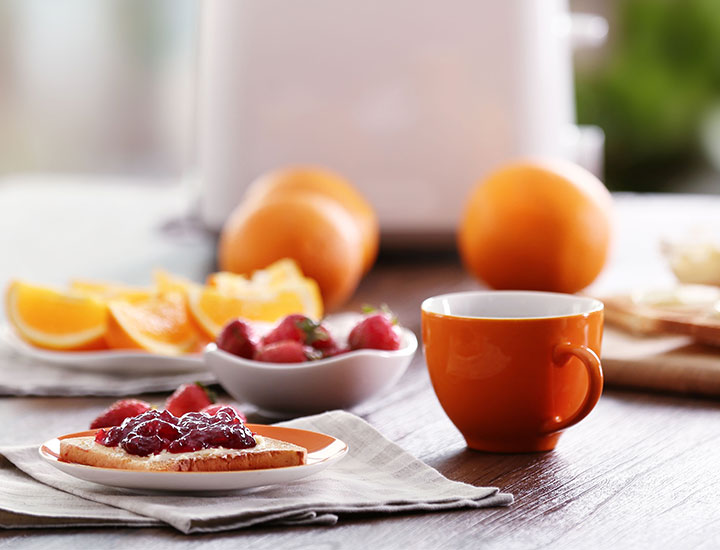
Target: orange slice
x=213, y=309
x=229, y=283
x=167, y=282
x=159, y=324
x=269, y=294
x=54, y=319
x=103, y=290
x=278, y=273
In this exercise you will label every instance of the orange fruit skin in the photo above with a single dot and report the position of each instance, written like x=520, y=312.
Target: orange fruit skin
x=537, y=225
x=315, y=179
x=315, y=231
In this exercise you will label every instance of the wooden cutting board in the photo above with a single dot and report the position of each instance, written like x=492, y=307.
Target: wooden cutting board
x=660, y=362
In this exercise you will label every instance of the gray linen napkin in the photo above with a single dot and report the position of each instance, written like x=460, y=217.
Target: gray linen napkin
x=25, y=503
x=20, y=376
x=375, y=476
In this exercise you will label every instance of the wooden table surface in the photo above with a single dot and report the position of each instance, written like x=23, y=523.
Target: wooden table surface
x=642, y=471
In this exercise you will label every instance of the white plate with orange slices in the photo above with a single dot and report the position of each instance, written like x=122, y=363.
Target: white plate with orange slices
x=160, y=328
x=130, y=361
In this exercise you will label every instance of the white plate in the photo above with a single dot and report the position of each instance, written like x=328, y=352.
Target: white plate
x=118, y=361
x=323, y=450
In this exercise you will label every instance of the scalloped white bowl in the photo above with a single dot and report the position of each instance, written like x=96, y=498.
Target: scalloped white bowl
x=291, y=389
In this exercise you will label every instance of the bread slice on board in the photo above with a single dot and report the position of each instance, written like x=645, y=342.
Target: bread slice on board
x=666, y=363
x=701, y=322
x=268, y=453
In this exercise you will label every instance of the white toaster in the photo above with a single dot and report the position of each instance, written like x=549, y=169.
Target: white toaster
x=413, y=101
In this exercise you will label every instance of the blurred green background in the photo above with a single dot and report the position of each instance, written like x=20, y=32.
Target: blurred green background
x=654, y=88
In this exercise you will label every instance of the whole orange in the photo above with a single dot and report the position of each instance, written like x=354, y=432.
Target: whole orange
x=315, y=179
x=537, y=225
x=314, y=230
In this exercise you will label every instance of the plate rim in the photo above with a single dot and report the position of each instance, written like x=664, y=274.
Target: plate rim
x=87, y=360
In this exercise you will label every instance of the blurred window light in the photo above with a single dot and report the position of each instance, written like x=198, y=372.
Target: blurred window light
x=88, y=86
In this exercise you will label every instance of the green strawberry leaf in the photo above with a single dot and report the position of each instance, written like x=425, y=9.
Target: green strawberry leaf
x=212, y=396
x=312, y=331
x=367, y=309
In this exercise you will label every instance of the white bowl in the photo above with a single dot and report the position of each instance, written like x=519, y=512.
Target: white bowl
x=291, y=389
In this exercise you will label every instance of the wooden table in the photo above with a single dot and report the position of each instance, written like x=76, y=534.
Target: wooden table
x=642, y=471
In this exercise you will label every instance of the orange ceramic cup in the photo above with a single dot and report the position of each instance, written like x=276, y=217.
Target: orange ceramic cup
x=513, y=369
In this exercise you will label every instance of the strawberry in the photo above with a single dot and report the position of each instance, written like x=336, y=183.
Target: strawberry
x=189, y=398
x=300, y=328
x=212, y=410
x=119, y=411
x=286, y=351
x=287, y=329
x=374, y=332
x=320, y=338
x=237, y=338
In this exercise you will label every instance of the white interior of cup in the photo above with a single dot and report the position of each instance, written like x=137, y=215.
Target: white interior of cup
x=510, y=304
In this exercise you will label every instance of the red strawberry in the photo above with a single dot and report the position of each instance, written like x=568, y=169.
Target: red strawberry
x=300, y=328
x=236, y=338
x=189, y=398
x=286, y=351
x=119, y=411
x=321, y=339
x=287, y=329
x=212, y=410
x=374, y=332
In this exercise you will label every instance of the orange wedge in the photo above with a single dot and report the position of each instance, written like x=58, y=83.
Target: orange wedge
x=278, y=273
x=54, y=319
x=213, y=309
x=229, y=283
x=158, y=324
x=103, y=290
x=167, y=282
x=267, y=295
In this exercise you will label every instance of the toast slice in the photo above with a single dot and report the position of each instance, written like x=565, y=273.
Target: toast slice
x=268, y=453
x=700, y=321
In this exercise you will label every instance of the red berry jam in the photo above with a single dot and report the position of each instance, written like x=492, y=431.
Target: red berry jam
x=155, y=431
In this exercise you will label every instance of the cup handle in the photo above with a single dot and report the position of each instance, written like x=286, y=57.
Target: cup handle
x=561, y=354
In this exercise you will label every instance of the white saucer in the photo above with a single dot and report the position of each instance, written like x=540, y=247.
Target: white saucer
x=323, y=450
x=116, y=361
